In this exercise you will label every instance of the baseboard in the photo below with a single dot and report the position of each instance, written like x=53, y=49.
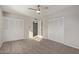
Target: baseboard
x=67, y=44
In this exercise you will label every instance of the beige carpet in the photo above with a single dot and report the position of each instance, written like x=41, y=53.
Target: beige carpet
x=34, y=47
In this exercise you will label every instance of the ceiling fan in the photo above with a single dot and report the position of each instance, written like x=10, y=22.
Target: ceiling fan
x=38, y=9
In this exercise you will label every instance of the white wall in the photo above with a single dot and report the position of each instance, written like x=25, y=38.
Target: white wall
x=28, y=27
x=72, y=31
x=56, y=29
x=1, y=27
x=44, y=26
x=71, y=27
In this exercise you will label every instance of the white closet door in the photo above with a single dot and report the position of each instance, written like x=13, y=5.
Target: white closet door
x=14, y=29
x=56, y=29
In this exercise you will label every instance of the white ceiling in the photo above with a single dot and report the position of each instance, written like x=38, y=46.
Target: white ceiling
x=23, y=9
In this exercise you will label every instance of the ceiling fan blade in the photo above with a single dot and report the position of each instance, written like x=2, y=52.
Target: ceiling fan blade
x=46, y=7
x=31, y=9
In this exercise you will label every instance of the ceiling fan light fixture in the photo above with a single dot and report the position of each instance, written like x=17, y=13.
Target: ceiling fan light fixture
x=38, y=11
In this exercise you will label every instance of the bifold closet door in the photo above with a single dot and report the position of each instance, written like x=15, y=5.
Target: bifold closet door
x=56, y=29
x=14, y=29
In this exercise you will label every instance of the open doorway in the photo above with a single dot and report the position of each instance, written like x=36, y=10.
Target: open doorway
x=35, y=28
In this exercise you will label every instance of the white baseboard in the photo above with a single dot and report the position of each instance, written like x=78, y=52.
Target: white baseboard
x=67, y=44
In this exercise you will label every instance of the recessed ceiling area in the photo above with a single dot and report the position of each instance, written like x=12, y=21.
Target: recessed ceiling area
x=23, y=9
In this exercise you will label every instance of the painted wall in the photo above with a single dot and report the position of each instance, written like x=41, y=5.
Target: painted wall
x=28, y=27
x=56, y=29
x=71, y=27
x=72, y=31
x=45, y=27
x=1, y=27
